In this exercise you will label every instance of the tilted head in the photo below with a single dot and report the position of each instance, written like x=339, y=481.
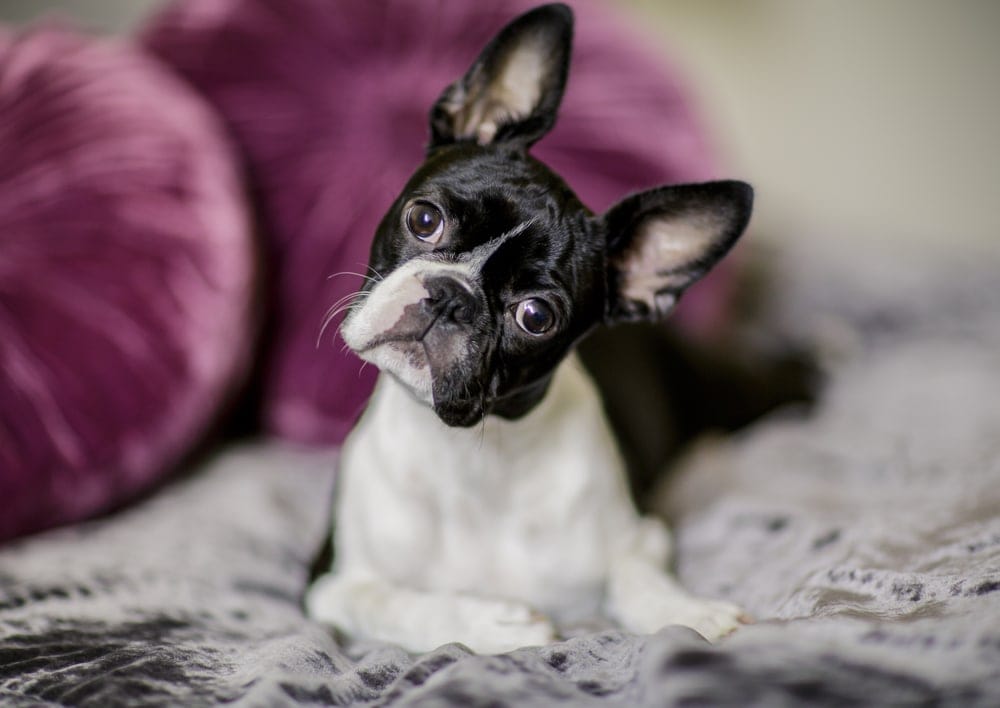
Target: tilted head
x=489, y=269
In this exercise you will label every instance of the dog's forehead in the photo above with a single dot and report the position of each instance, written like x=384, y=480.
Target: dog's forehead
x=490, y=189
x=501, y=201
x=470, y=167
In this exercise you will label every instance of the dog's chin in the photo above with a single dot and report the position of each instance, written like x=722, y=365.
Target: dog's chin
x=459, y=414
x=406, y=362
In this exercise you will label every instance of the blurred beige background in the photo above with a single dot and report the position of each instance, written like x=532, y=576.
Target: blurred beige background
x=858, y=122
x=862, y=120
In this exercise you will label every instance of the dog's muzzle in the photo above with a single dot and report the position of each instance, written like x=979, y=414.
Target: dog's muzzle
x=431, y=331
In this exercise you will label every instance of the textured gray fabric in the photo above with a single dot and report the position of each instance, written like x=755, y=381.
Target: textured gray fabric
x=865, y=538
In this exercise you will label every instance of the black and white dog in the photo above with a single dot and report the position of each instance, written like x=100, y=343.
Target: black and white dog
x=481, y=496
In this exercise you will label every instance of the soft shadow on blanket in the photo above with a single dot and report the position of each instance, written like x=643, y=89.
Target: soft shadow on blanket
x=866, y=540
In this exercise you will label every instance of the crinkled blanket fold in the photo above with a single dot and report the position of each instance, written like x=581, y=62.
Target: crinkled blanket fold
x=865, y=538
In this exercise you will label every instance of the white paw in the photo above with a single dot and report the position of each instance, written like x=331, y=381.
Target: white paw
x=420, y=621
x=497, y=626
x=712, y=619
x=324, y=601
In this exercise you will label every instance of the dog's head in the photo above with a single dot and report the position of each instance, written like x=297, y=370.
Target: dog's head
x=487, y=268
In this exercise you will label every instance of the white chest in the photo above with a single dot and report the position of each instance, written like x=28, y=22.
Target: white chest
x=529, y=509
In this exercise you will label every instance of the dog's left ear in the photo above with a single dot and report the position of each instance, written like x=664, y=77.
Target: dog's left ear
x=512, y=91
x=663, y=240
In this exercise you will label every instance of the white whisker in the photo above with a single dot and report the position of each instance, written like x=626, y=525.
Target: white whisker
x=342, y=305
x=378, y=275
x=356, y=275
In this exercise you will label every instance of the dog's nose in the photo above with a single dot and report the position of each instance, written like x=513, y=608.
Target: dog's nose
x=450, y=299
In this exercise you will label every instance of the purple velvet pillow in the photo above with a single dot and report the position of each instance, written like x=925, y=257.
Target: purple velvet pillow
x=125, y=274
x=329, y=102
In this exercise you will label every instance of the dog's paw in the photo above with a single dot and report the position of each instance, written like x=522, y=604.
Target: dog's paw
x=497, y=626
x=712, y=619
x=327, y=601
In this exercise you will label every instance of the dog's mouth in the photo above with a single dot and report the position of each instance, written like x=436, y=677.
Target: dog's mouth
x=409, y=360
x=412, y=348
x=409, y=333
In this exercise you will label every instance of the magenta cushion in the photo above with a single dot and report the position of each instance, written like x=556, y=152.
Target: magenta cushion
x=125, y=274
x=329, y=100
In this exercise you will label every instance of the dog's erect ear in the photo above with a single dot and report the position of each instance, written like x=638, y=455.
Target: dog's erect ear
x=512, y=91
x=663, y=240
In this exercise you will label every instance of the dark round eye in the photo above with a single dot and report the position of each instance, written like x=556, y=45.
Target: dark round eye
x=425, y=221
x=534, y=316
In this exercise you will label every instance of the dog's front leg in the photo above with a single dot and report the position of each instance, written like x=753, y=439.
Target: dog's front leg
x=419, y=620
x=644, y=598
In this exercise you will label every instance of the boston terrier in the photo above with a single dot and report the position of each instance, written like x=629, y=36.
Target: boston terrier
x=481, y=497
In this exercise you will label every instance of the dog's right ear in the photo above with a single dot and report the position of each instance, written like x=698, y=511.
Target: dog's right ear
x=512, y=91
x=663, y=240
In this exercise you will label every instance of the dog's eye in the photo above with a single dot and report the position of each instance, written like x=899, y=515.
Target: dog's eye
x=425, y=221
x=534, y=316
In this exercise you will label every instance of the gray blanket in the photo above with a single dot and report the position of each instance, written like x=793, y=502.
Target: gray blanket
x=864, y=538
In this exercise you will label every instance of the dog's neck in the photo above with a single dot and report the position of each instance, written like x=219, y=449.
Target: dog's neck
x=403, y=436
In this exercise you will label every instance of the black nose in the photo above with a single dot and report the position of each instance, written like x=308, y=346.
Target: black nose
x=450, y=300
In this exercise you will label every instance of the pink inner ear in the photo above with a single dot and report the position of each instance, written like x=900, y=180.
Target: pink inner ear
x=511, y=96
x=661, y=261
